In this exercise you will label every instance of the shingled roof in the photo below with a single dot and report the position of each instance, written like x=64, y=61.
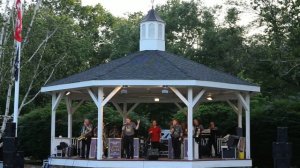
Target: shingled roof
x=152, y=16
x=152, y=65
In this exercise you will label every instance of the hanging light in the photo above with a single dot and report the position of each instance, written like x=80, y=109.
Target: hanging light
x=209, y=98
x=124, y=89
x=156, y=99
x=165, y=90
x=68, y=93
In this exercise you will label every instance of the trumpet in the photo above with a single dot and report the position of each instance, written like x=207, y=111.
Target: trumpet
x=81, y=137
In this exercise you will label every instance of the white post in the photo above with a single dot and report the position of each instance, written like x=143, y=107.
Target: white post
x=53, y=117
x=247, y=111
x=70, y=125
x=190, y=124
x=17, y=87
x=240, y=114
x=70, y=113
x=100, y=124
x=124, y=112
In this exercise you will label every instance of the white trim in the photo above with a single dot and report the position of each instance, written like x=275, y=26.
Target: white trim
x=149, y=164
x=247, y=117
x=96, y=83
x=100, y=123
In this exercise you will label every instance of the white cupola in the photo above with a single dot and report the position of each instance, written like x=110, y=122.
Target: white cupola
x=152, y=32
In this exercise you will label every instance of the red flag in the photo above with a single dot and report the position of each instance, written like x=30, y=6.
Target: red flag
x=18, y=31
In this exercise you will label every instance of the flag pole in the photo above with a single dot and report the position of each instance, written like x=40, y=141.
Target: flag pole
x=17, y=63
x=17, y=87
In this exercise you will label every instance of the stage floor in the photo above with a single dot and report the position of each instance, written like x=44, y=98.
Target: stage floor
x=142, y=163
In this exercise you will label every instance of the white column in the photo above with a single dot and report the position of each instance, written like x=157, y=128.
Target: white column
x=100, y=124
x=53, y=117
x=247, y=111
x=240, y=114
x=190, y=124
x=70, y=116
x=70, y=125
x=124, y=112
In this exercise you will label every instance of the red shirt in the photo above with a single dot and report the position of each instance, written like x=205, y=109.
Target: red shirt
x=155, y=135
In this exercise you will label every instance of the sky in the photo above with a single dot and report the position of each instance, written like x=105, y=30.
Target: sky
x=122, y=7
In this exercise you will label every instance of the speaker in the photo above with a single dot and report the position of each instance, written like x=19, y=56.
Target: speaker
x=282, y=150
x=19, y=163
x=282, y=134
x=8, y=159
x=282, y=163
x=10, y=130
x=152, y=154
x=10, y=144
x=239, y=131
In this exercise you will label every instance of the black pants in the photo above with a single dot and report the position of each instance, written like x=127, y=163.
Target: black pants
x=85, y=148
x=213, y=142
x=128, y=145
x=155, y=145
x=198, y=141
x=176, y=148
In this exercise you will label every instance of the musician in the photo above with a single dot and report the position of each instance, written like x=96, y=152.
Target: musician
x=198, y=128
x=155, y=134
x=87, y=132
x=213, y=137
x=176, y=135
x=128, y=131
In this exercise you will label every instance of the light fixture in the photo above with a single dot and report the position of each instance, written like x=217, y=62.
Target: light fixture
x=156, y=99
x=124, y=89
x=209, y=98
x=68, y=93
x=165, y=90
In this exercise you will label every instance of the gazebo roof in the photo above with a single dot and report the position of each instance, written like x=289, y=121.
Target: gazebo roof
x=152, y=16
x=154, y=66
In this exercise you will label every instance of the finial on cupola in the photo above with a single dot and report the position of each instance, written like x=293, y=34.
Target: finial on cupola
x=152, y=31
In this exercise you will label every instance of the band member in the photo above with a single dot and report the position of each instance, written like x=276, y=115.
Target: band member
x=87, y=132
x=213, y=138
x=155, y=134
x=128, y=131
x=198, y=128
x=176, y=135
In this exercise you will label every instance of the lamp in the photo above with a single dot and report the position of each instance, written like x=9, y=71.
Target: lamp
x=165, y=90
x=68, y=93
x=124, y=89
x=209, y=98
x=156, y=99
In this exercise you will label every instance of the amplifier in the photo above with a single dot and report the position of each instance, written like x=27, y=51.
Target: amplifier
x=152, y=154
x=282, y=134
x=282, y=150
x=9, y=159
x=10, y=144
x=10, y=130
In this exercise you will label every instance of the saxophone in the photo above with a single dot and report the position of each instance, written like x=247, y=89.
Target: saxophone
x=83, y=136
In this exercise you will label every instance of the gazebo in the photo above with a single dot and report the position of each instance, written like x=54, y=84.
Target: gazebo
x=151, y=75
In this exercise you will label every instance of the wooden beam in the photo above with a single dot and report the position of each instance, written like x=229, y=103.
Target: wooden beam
x=77, y=106
x=243, y=101
x=94, y=98
x=181, y=97
x=57, y=101
x=178, y=105
x=198, y=97
x=111, y=94
x=133, y=107
x=235, y=109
